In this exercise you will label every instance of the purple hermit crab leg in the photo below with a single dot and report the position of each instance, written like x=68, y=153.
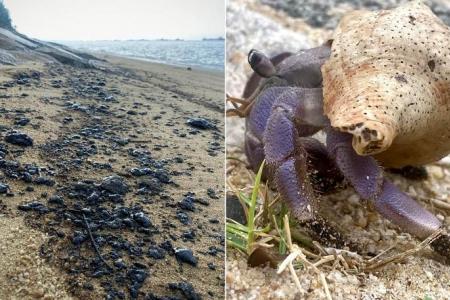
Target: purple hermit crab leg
x=294, y=186
x=283, y=151
x=367, y=179
x=257, y=121
x=256, y=125
x=323, y=172
x=402, y=210
x=362, y=172
x=299, y=181
x=405, y=212
x=299, y=188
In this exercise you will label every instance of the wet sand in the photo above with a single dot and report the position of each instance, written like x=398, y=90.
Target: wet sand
x=112, y=155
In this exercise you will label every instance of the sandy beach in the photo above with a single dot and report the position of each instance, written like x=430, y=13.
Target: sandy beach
x=112, y=181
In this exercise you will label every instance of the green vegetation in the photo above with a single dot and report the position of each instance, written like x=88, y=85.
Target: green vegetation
x=240, y=236
x=265, y=227
x=5, y=19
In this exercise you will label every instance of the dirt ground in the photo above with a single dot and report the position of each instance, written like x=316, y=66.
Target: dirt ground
x=86, y=125
x=423, y=275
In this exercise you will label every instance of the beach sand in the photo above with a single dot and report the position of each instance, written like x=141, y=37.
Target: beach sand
x=88, y=124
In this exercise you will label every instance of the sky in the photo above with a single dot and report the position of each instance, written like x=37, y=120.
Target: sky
x=59, y=20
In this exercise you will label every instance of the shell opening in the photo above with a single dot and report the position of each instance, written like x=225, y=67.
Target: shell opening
x=370, y=137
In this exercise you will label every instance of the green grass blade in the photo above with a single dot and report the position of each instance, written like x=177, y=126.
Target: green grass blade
x=282, y=246
x=237, y=226
x=236, y=232
x=244, y=198
x=252, y=208
x=236, y=241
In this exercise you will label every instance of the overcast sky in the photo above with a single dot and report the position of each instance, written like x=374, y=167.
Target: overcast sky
x=118, y=19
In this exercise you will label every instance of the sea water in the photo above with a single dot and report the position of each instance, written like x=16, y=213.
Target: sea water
x=200, y=53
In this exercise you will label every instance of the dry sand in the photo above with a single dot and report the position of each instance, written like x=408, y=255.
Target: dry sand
x=151, y=105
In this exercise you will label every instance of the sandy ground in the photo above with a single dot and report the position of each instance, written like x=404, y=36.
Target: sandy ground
x=421, y=276
x=79, y=133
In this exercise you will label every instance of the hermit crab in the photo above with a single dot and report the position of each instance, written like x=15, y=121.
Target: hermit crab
x=379, y=89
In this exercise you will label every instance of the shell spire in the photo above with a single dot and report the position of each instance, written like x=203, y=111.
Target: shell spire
x=387, y=81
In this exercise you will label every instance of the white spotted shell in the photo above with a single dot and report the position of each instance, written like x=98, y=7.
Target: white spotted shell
x=387, y=82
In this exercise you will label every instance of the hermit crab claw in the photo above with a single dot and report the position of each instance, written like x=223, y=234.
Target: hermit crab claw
x=261, y=64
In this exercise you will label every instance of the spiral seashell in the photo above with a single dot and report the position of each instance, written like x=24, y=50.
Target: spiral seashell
x=387, y=82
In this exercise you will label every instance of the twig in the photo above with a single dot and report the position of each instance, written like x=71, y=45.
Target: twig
x=381, y=253
x=319, y=247
x=324, y=260
x=94, y=243
x=310, y=254
x=343, y=261
x=294, y=275
x=296, y=252
x=325, y=285
x=440, y=203
x=287, y=228
x=397, y=257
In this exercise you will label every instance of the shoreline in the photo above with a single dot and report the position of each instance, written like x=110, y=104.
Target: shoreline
x=103, y=53
x=195, y=68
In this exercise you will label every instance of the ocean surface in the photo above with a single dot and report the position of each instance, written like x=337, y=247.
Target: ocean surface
x=207, y=54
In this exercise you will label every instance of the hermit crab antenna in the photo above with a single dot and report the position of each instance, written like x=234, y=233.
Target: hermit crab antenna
x=260, y=63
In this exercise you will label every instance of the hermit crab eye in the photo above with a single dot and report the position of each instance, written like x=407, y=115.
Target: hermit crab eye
x=260, y=63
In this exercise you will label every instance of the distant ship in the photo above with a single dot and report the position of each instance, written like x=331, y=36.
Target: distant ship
x=170, y=40
x=214, y=39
